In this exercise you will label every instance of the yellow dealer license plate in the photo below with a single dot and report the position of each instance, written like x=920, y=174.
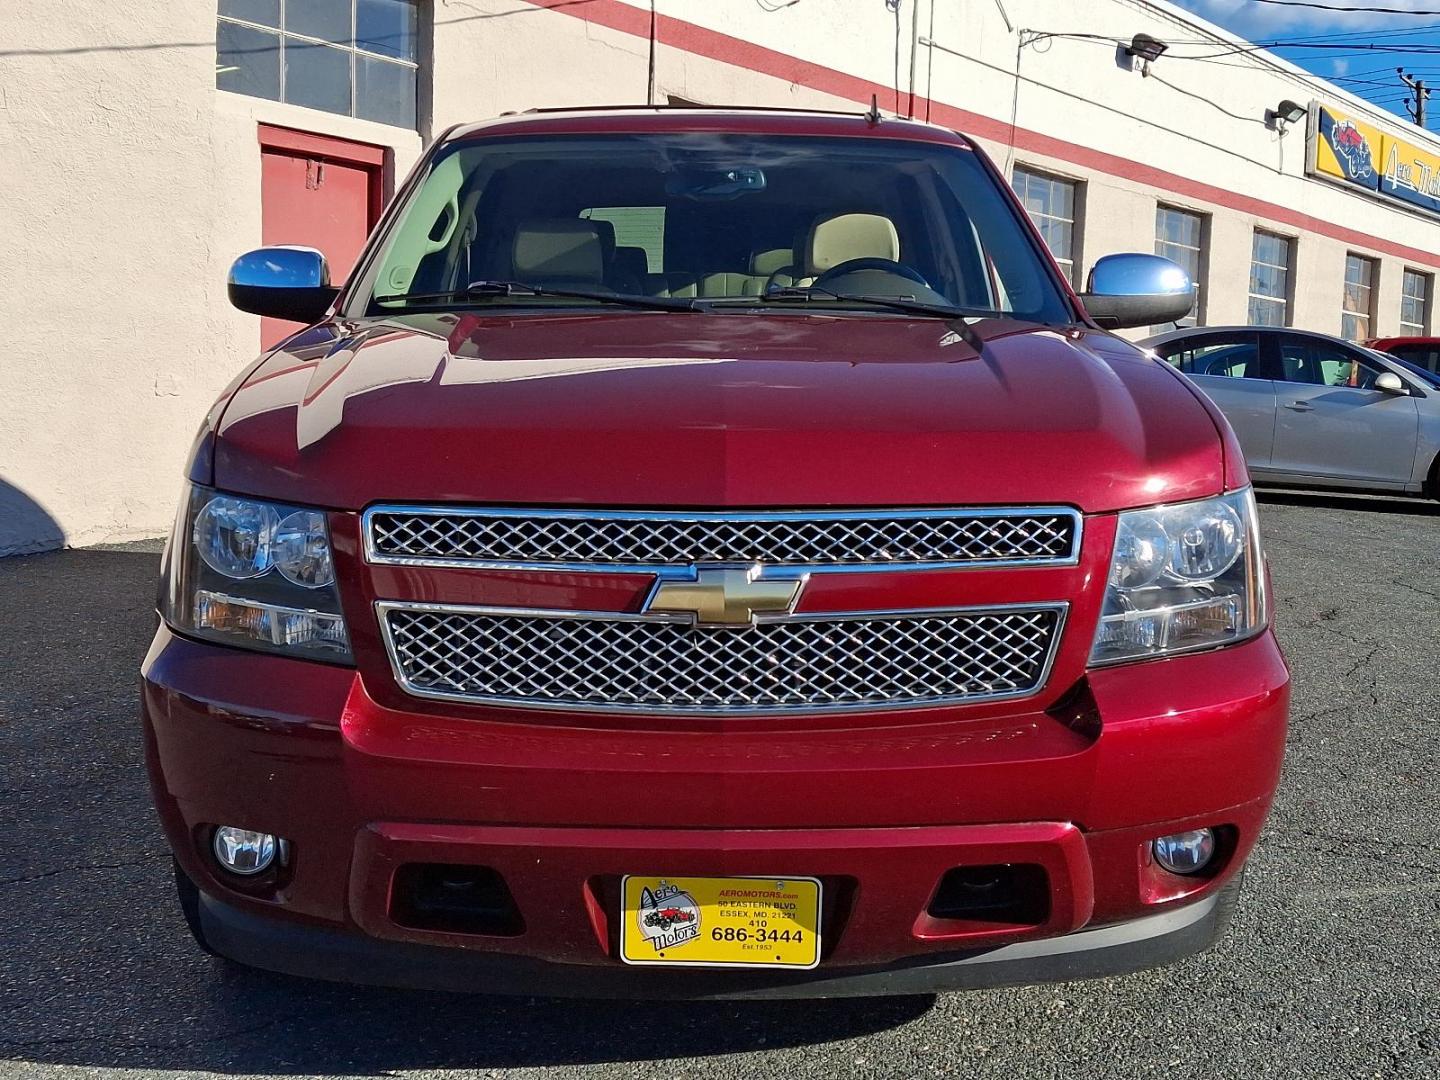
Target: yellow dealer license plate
x=720, y=922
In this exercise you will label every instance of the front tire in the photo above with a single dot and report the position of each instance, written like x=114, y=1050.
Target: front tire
x=1228, y=901
x=188, y=894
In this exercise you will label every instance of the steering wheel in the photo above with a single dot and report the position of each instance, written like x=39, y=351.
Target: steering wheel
x=852, y=266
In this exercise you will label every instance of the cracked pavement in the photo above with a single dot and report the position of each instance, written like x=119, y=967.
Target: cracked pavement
x=1329, y=970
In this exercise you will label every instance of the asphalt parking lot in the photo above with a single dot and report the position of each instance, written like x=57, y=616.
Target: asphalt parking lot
x=1330, y=969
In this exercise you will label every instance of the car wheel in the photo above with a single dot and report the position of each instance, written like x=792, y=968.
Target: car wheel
x=1432, y=486
x=1228, y=901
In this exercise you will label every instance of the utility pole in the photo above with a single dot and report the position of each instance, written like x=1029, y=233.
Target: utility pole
x=1420, y=94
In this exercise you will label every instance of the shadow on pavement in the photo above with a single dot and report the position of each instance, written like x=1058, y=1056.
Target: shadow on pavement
x=98, y=968
x=1363, y=504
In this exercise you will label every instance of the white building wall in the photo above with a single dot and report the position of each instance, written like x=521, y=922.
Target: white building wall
x=131, y=183
x=129, y=186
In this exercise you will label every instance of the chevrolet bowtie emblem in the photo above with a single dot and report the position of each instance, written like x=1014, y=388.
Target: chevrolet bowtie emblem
x=719, y=596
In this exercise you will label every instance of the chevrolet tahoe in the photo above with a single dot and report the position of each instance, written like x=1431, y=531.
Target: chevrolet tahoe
x=711, y=553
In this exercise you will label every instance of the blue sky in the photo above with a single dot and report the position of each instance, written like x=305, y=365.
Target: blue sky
x=1408, y=41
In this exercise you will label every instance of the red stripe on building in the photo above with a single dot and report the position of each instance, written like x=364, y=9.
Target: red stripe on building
x=713, y=45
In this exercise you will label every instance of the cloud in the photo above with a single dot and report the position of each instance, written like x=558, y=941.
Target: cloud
x=1264, y=21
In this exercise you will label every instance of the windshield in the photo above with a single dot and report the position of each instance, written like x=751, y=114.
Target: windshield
x=724, y=220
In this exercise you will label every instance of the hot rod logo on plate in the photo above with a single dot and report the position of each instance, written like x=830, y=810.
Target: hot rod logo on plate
x=668, y=916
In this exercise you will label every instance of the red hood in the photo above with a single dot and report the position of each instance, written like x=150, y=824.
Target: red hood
x=739, y=409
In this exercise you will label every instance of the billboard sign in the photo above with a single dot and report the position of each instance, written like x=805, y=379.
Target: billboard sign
x=1359, y=155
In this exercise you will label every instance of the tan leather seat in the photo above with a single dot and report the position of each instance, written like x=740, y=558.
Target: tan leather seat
x=765, y=263
x=630, y=263
x=721, y=283
x=674, y=283
x=727, y=283
x=559, y=250
x=838, y=239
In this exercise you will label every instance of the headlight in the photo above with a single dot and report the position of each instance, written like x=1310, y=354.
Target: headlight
x=255, y=574
x=1185, y=576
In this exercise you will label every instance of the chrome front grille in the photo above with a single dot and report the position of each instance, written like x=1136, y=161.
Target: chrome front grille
x=801, y=663
x=610, y=540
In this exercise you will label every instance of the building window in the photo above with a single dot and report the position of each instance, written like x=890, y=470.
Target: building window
x=353, y=57
x=1051, y=202
x=1180, y=237
x=1359, y=307
x=1270, y=257
x=1414, y=303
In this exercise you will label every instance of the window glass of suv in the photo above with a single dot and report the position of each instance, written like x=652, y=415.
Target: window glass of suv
x=1425, y=356
x=1425, y=375
x=640, y=227
x=721, y=217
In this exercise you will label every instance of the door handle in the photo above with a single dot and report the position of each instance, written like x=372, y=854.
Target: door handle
x=1301, y=406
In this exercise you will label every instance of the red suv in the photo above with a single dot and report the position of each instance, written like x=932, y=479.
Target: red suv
x=719, y=541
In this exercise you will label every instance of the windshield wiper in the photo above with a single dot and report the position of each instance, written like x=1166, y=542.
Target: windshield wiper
x=959, y=318
x=801, y=293
x=485, y=290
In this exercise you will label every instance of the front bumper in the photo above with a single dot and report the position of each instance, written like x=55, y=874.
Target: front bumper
x=315, y=952
x=562, y=808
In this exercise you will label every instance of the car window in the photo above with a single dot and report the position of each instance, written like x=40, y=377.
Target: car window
x=718, y=216
x=1235, y=356
x=1325, y=363
x=1424, y=356
x=1427, y=377
x=637, y=229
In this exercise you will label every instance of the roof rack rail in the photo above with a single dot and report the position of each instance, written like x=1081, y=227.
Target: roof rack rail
x=689, y=106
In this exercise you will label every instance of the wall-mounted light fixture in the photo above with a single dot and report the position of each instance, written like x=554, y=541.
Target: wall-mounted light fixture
x=1147, y=48
x=1291, y=112
x=1286, y=113
x=1144, y=48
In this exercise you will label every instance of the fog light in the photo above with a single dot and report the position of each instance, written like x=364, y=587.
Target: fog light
x=1186, y=852
x=244, y=852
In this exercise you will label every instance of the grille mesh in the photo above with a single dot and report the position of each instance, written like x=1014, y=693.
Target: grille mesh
x=795, y=665
x=816, y=540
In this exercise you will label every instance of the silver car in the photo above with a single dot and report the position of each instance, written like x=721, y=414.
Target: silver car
x=1315, y=411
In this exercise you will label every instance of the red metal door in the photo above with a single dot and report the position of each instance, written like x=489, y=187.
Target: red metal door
x=319, y=192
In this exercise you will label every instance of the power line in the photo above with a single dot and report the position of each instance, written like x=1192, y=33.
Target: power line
x=1369, y=32
x=1383, y=94
x=1426, y=50
x=1349, y=7
x=1375, y=71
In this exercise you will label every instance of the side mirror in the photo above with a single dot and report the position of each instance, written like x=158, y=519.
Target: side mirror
x=283, y=283
x=1387, y=382
x=1137, y=290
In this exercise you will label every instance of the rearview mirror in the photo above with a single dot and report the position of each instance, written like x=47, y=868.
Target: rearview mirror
x=283, y=283
x=1137, y=290
x=715, y=184
x=1387, y=382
